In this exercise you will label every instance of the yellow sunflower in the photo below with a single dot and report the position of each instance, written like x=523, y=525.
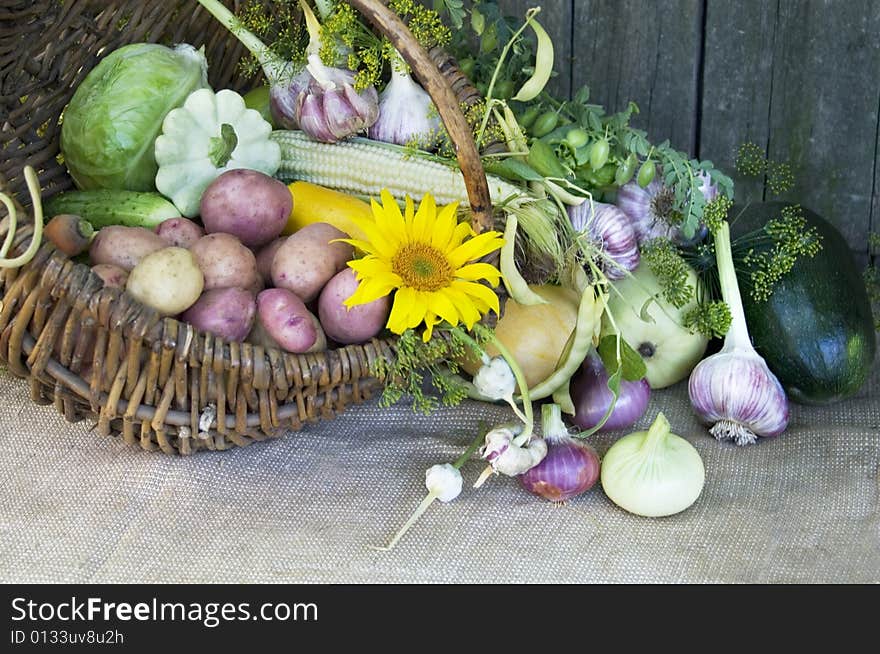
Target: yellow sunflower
x=427, y=256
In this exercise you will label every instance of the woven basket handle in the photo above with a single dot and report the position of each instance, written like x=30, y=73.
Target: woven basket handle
x=387, y=22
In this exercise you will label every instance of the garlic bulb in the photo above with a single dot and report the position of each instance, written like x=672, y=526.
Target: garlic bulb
x=734, y=391
x=650, y=208
x=329, y=109
x=506, y=456
x=444, y=481
x=611, y=232
x=495, y=379
x=319, y=100
x=406, y=113
x=653, y=473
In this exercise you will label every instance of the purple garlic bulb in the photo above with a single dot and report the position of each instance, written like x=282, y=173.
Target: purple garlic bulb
x=611, y=232
x=322, y=102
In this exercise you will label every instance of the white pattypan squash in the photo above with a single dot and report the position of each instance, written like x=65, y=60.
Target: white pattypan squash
x=210, y=134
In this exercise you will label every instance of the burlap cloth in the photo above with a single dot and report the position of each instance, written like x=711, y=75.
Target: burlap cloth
x=78, y=507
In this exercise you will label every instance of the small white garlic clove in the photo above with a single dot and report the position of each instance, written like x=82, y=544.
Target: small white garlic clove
x=739, y=396
x=494, y=380
x=444, y=480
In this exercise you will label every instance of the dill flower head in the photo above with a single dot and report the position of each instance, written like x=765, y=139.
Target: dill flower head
x=428, y=259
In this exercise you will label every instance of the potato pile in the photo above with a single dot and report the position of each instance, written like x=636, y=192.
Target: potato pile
x=237, y=276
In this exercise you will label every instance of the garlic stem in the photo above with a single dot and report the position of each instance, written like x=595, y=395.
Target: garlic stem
x=273, y=67
x=551, y=422
x=420, y=509
x=738, y=334
x=430, y=497
x=314, y=29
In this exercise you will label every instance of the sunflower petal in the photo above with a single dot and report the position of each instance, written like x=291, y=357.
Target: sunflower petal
x=397, y=320
x=444, y=227
x=464, y=305
x=390, y=221
x=441, y=305
x=478, y=246
x=461, y=232
x=448, y=215
x=408, y=216
x=423, y=220
x=371, y=290
x=370, y=265
x=431, y=319
x=478, y=291
x=477, y=271
x=418, y=308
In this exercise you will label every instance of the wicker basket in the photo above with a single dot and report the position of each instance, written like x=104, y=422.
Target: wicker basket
x=159, y=382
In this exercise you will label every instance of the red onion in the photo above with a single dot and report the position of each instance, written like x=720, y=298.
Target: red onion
x=610, y=229
x=570, y=467
x=591, y=396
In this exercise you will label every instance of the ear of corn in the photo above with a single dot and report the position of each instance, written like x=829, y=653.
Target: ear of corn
x=364, y=167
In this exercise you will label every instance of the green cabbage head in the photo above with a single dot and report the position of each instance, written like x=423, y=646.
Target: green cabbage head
x=112, y=121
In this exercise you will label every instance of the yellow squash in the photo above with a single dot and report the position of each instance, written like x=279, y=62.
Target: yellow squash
x=318, y=204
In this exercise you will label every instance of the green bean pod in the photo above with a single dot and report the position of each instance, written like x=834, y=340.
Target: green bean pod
x=590, y=312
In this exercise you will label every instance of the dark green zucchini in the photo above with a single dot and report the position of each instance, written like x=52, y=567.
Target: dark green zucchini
x=816, y=331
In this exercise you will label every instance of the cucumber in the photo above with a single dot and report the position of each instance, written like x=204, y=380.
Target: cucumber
x=816, y=331
x=113, y=207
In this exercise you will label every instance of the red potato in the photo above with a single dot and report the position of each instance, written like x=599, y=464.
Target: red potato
x=265, y=256
x=308, y=259
x=112, y=276
x=225, y=312
x=225, y=262
x=247, y=203
x=180, y=232
x=287, y=320
x=357, y=324
x=124, y=246
x=259, y=336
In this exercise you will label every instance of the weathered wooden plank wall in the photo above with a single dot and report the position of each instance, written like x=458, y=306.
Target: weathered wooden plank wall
x=801, y=78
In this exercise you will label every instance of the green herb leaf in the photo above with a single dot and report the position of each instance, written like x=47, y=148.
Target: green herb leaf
x=631, y=364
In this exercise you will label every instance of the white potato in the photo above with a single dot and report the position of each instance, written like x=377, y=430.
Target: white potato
x=169, y=280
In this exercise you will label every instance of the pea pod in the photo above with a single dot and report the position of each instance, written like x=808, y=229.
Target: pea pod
x=527, y=119
x=576, y=137
x=543, y=65
x=545, y=123
x=625, y=170
x=543, y=159
x=646, y=173
x=516, y=286
x=599, y=154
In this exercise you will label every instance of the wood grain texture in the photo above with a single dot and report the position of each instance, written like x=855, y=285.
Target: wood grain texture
x=823, y=108
x=737, y=81
x=642, y=50
x=556, y=18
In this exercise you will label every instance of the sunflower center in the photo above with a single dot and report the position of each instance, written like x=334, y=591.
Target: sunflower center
x=422, y=267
